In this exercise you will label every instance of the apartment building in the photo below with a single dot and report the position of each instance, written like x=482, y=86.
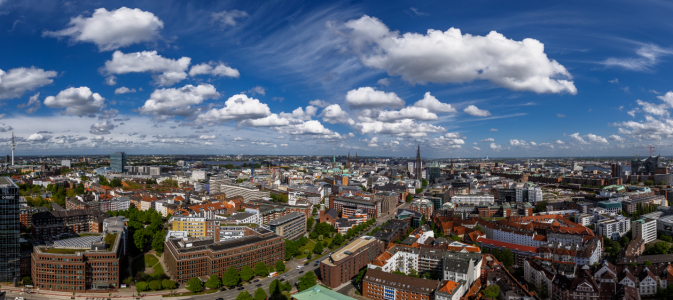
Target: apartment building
x=249, y=192
x=388, y=286
x=473, y=199
x=67, y=221
x=613, y=228
x=422, y=206
x=341, y=266
x=291, y=226
x=197, y=226
x=348, y=206
x=645, y=229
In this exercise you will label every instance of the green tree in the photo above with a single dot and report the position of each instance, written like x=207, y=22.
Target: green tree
x=261, y=269
x=230, y=277
x=306, y=281
x=280, y=266
x=424, y=182
x=662, y=182
x=213, y=282
x=155, y=285
x=360, y=276
x=309, y=223
x=194, y=285
x=260, y=294
x=657, y=249
x=338, y=239
x=139, y=239
x=310, y=255
x=323, y=228
x=507, y=258
x=246, y=273
x=647, y=263
x=410, y=197
x=649, y=182
x=244, y=295
x=274, y=287
x=478, y=227
x=158, y=241
x=168, y=284
x=142, y=286
x=491, y=291
x=27, y=280
x=318, y=249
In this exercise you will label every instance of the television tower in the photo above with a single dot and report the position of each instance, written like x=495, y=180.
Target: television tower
x=13, y=146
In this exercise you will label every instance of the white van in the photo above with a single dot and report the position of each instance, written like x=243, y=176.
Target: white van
x=299, y=267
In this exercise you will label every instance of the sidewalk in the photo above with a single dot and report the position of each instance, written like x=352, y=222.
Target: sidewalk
x=123, y=293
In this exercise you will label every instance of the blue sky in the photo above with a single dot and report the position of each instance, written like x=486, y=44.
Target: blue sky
x=462, y=78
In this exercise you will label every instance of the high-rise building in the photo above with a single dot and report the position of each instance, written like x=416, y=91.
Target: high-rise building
x=118, y=162
x=10, y=254
x=645, y=229
x=419, y=166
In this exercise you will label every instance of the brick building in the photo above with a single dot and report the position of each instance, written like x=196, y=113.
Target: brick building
x=422, y=206
x=341, y=266
x=67, y=221
x=381, y=285
x=348, y=206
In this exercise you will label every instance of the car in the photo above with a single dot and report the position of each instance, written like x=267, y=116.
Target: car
x=223, y=289
x=282, y=279
x=259, y=285
x=256, y=280
x=285, y=275
x=219, y=299
x=300, y=272
x=306, y=263
x=299, y=267
x=240, y=288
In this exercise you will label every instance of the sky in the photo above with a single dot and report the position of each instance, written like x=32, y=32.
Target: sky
x=460, y=78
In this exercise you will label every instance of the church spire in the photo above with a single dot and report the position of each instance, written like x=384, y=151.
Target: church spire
x=419, y=164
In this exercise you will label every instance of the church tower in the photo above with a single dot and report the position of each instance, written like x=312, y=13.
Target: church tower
x=419, y=164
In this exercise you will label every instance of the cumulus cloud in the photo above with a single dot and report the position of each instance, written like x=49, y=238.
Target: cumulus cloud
x=227, y=18
x=493, y=146
x=432, y=104
x=667, y=98
x=178, y=101
x=38, y=138
x=590, y=138
x=15, y=82
x=653, y=109
x=166, y=71
x=270, y=121
x=367, y=97
x=111, y=30
x=334, y=114
x=32, y=105
x=4, y=127
x=519, y=143
x=207, y=137
x=237, y=107
x=257, y=90
x=403, y=127
x=100, y=128
x=76, y=101
x=451, y=56
x=319, y=103
x=616, y=138
x=383, y=81
x=650, y=129
x=283, y=145
x=411, y=112
x=560, y=142
x=214, y=69
x=311, y=127
x=124, y=90
x=488, y=140
x=476, y=148
x=473, y=110
x=492, y=129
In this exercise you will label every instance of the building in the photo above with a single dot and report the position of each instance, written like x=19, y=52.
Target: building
x=186, y=258
x=388, y=202
x=291, y=226
x=473, y=199
x=249, y=192
x=10, y=223
x=348, y=206
x=419, y=165
x=118, y=162
x=388, y=286
x=56, y=222
x=613, y=228
x=645, y=229
x=341, y=266
x=458, y=266
x=90, y=263
x=422, y=206
x=318, y=292
x=199, y=175
x=197, y=226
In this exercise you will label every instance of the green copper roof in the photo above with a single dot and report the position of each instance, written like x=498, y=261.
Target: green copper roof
x=318, y=292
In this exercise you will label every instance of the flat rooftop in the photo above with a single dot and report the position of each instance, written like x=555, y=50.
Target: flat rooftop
x=349, y=249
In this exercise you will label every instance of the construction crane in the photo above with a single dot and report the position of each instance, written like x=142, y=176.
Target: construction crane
x=649, y=147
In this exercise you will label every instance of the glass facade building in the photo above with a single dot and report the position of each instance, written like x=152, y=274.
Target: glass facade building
x=10, y=254
x=118, y=162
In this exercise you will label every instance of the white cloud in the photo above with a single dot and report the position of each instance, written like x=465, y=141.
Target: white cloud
x=493, y=146
x=319, y=103
x=453, y=57
x=373, y=142
x=124, y=90
x=111, y=30
x=577, y=138
x=650, y=129
x=367, y=97
x=207, y=137
x=334, y=114
x=238, y=139
x=237, y=107
x=596, y=139
x=302, y=114
x=214, y=69
x=431, y=103
x=178, y=101
x=166, y=71
x=283, y=145
x=668, y=98
x=32, y=105
x=473, y=110
x=76, y=101
x=5, y=128
x=311, y=127
x=616, y=138
x=492, y=129
x=228, y=18
x=653, y=109
x=648, y=57
x=403, y=127
x=15, y=82
x=257, y=90
x=487, y=140
x=38, y=138
x=561, y=115
x=208, y=143
x=100, y=128
x=518, y=143
x=271, y=121
x=411, y=112
x=383, y=81
x=560, y=142
x=476, y=148
x=111, y=80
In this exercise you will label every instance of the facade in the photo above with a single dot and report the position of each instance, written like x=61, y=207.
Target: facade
x=118, y=162
x=247, y=191
x=474, y=199
x=10, y=254
x=349, y=206
x=291, y=226
x=388, y=286
x=186, y=258
x=613, y=228
x=645, y=229
x=197, y=227
x=51, y=223
x=341, y=266
x=388, y=202
x=422, y=206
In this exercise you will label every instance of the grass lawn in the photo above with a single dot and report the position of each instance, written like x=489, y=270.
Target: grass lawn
x=150, y=260
x=158, y=270
x=310, y=245
x=62, y=250
x=141, y=263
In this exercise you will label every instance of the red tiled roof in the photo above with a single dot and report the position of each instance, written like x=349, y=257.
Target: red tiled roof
x=507, y=245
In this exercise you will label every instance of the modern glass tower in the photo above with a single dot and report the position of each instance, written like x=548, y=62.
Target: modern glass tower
x=118, y=162
x=10, y=251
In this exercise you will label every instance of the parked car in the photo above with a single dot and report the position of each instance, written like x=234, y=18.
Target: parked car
x=240, y=288
x=256, y=280
x=301, y=272
x=259, y=285
x=282, y=279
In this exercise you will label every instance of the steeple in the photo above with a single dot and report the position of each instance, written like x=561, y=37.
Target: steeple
x=419, y=164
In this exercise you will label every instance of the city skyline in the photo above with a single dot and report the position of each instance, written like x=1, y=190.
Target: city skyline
x=305, y=78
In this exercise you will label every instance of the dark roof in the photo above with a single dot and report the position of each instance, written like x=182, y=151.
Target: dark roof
x=401, y=282
x=332, y=213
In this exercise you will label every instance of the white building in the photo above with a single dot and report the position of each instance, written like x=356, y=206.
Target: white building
x=584, y=219
x=644, y=228
x=199, y=175
x=65, y=163
x=615, y=227
x=120, y=203
x=472, y=199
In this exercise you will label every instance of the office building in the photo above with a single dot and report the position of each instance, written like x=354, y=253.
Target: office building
x=190, y=257
x=388, y=286
x=197, y=226
x=291, y=226
x=9, y=235
x=118, y=162
x=422, y=206
x=645, y=229
x=52, y=223
x=249, y=192
x=473, y=199
x=341, y=266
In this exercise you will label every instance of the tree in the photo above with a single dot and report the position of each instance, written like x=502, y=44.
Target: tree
x=306, y=281
x=424, y=182
x=310, y=255
x=261, y=269
x=244, y=295
x=230, y=277
x=507, y=258
x=360, y=276
x=246, y=273
x=309, y=223
x=274, y=287
x=260, y=294
x=155, y=285
x=338, y=239
x=540, y=206
x=142, y=286
x=491, y=291
x=280, y=266
x=158, y=241
x=168, y=284
x=27, y=280
x=318, y=249
x=139, y=239
x=647, y=263
x=478, y=227
x=657, y=248
x=649, y=182
x=662, y=182
x=410, y=197
x=323, y=228
x=213, y=282
x=194, y=285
